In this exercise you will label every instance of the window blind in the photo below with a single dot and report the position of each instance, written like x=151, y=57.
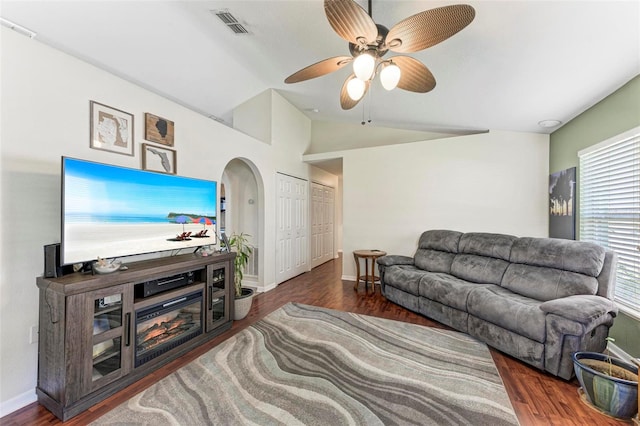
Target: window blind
x=609, y=211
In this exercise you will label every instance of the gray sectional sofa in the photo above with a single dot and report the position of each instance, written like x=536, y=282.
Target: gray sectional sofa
x=537, y=299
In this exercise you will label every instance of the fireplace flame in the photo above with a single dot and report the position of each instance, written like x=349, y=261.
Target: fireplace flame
x=164, y=328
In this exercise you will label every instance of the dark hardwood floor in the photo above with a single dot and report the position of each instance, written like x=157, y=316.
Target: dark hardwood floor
x=538, y=398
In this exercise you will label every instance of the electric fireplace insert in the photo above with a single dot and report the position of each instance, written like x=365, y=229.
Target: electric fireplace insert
x=167, y=325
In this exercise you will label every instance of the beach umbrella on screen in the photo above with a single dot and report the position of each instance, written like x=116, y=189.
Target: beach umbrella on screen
x=205, y=221
x=182, y=219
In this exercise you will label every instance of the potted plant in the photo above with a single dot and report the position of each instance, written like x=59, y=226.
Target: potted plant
x=239, y=243
x=609, y=384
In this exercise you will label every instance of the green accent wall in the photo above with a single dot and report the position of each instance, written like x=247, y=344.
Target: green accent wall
x=615, y=114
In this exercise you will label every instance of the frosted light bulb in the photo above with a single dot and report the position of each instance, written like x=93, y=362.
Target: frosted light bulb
x=355, y=88
x=390, y=76
x=363, y=66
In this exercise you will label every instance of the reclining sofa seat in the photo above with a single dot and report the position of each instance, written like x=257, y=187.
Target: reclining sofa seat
x=537, y=299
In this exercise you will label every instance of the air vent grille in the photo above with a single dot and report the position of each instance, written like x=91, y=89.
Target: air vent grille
x=238, y=29
x=230, y=21
x=226, y=17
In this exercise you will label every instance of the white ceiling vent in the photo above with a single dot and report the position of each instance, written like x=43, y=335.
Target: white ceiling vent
x=230, y=21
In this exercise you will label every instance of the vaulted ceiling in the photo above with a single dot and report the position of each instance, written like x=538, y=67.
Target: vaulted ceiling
x=517, y=63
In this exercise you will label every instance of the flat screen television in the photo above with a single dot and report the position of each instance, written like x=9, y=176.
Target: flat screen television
x=111, y=211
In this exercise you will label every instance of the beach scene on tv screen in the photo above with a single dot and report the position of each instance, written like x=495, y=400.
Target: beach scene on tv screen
x=112, y=211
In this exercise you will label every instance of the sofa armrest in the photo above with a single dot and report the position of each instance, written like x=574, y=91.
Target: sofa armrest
x=575, y=323
x=584, y=309
x=390, y=260
x=393, y=259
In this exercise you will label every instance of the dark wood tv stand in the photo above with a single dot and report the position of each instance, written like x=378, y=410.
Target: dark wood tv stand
x=92, y=326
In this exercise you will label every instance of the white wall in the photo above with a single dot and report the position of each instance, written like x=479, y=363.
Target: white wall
x=45, y=98
x=253, y=117
x=290, y=136
x=492, y=182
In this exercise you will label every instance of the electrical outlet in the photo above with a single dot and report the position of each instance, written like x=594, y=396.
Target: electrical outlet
x=33, y=334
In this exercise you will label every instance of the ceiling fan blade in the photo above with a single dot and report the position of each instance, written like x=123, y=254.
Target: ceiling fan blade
x=350, y=21
x=345, y=100
x=318, y=69
x=415, y=76
x=429, y=28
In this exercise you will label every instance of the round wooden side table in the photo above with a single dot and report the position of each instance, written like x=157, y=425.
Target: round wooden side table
x=368, y=276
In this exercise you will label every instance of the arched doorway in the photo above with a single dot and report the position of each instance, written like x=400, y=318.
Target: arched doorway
x=243, y=190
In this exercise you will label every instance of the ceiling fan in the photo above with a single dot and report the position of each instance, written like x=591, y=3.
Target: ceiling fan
x=369, y=42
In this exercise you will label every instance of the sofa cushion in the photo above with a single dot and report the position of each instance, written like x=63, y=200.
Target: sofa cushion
x=434, y=260
x=576, y=256
x=519, y=314
x=482, y=257
x=497, y=246
x=403, y=277
x=436, y=250
x=441, y=240
x=479, y=269
x=446, y=289
x=547, y=283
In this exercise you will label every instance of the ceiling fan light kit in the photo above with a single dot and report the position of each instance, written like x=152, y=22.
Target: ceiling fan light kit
x=356, y=88
x=390, y=75
x=369, y=42
x=363, y=66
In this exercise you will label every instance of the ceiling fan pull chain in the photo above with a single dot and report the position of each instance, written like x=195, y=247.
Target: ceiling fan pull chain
x=370, y=102
x=368, y=106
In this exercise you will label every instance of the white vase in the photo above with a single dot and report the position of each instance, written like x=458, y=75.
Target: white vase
x=242, y=304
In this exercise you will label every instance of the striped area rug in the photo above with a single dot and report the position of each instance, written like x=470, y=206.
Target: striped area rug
x=307, y=365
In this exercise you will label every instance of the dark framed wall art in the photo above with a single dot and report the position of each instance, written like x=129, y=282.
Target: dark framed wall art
x=562, y=204
x=158, y=129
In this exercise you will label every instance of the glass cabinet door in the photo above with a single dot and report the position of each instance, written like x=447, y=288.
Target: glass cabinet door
x=110, y=316
x=218, y=281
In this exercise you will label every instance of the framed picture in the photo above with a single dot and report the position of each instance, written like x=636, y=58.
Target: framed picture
x=562, y=204
x=158, y=159
x=111, y=129
x=158, y=129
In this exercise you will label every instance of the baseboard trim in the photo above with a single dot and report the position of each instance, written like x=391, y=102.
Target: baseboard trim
x=254, y=284
x=269, y=287
x=18, y=402
x=259, y=288
x=618, y=352
x=348, y=277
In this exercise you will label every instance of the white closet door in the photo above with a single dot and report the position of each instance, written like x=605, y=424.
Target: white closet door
x=323, y=228
x=328, y=206
x=292, y=227
x=317, y=224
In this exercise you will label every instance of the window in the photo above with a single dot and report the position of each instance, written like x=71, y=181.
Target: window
x=610, y=208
